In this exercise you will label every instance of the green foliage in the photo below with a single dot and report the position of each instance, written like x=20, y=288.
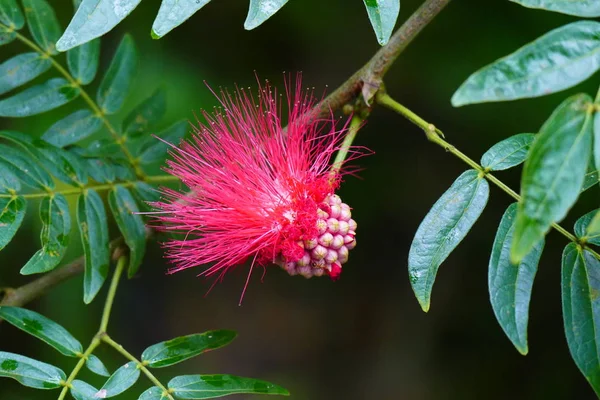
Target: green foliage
x=211, y=386
x=507, y=153
x=29, y=372
x=93, y=227
x=44, y=329
x=510, y=284
x=96, y=365
x=444, y=227
x=115, y=84
x=581, y=310
x=95, y=18
x=21, y=69
x=125, y=211
x=553, y=173
x=383, y=15
x=121, y=380
x=556, y=61
x=585, y=229
x=580, y=8
x=182, y=348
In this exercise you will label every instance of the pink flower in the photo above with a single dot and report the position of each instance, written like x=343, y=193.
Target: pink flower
x=259, y=192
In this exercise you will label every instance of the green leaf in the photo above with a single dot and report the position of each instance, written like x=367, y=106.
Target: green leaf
x=556, y=61
x=582, y=225
x=54, y=213
x=553, y=173
x=60, y=163
x=12, y=212
x=260, y=11
x=147, y=113
x=383, y=15
x=107, y=148
x=121, y=380
x=10, y=14
x=6, y=36
x=21, y=69
x=83, y=61
x=509, y=284
x=117, y=80
x=84, y=391
x=507, y=153
x=95, y=365
x=590, y=179
x=93, y=19
x=93, y=227
x=581, y=310
x=182, y=348
x=444, y=227
x=592, y=232
x=155, y=150
x=144, y=194
x=154, y=393
x=579, y=8
x=43, y=328
x=24, y=168
x=29, y=372
x=173, y=13
x=73, y=128
x=43, y=24
x=596, y=146
x=130, y=224
x=211, y=386
x=38, y=99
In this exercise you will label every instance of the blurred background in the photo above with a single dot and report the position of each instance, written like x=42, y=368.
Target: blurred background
x=364, y=336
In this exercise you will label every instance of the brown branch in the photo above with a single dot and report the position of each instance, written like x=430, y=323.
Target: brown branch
x=32, y=290
x=368, y=79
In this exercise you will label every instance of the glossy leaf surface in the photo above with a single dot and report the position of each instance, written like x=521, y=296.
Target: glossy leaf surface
x=556, y=61
x=260, y=11
x=182, y=348
x=508, y=153
x=553, y=173
x=509, y=284
x=56, y=227
x=38, y=99
x=30, y=372
x=73, y=128
x=117, y=80
x=444, y=227
x=20, y=69
x=173, y=13
x=581, y=310
x=211, y=386
x=383, y=15
x=43, y=328
x=579, y=8
x=93, y=228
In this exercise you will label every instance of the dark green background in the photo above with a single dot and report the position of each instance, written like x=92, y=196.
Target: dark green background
x=363, y=337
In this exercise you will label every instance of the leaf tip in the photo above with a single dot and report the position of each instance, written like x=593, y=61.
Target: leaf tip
x=154, y=35
x=522, y=349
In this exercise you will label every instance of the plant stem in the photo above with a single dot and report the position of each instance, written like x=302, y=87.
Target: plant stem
x=436, y=136
x=110, y=298
x=342, y=153
x=101, y=187
x=86, y=97
x=106, y=339
x=101, y=331
x=68, y=384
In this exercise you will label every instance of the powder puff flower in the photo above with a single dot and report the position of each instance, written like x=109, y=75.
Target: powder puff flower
x=258, y=191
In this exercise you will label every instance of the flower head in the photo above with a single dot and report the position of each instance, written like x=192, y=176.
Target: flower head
x=259, y=191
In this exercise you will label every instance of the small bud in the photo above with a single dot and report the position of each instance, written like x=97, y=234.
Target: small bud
x=305, y=272
x=351, y=245
x=352, y=225
x=335, y=199
x=331, y=257
x=345, y=213
x=338, y=241
x=333, y=225
x=310, y=244
x=304, y=261
x=326, y=239
x=322, y=214
x=318, y=271
x=319, y=253
x=335, y=211
x=343, y=254
x=344, y=228
x=322, y=226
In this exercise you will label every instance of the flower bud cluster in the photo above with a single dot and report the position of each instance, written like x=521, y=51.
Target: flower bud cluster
x=325, y=254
